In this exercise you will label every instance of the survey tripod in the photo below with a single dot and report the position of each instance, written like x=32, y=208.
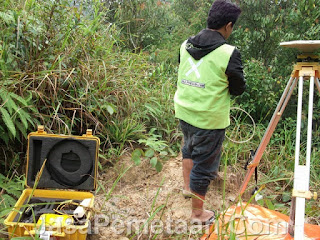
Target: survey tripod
x=307, y=68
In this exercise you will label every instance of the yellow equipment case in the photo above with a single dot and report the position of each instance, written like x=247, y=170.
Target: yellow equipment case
x=61, y=173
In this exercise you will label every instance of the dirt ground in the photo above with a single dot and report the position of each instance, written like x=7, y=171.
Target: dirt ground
x=142, y=194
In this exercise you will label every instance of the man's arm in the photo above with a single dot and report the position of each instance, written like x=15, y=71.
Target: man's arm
x=237, y=83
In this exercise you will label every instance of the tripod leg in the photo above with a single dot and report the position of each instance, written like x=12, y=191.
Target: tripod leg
x=271, y=127
x=291, y=228
x=302, y=172
x=292, y=217
x=317, y=84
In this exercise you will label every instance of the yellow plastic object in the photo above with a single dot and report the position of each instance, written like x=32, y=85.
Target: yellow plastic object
x=54, y=220
x=305, y=194
x=66, y=231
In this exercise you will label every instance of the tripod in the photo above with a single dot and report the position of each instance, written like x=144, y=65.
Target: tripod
x=307, y=68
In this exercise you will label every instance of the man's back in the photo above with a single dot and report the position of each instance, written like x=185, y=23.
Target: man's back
x=203, y=90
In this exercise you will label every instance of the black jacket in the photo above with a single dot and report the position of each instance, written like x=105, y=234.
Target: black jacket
x=205, y=42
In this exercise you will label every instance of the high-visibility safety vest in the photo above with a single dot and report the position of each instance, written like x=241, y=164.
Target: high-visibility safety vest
x=202, y=98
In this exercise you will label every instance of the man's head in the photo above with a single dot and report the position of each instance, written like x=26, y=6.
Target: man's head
x=222, y=13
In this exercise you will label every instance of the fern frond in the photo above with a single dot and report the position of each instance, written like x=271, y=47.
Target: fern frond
x=8, y=121
x=20, y=99
x=10, y=105
x=8, y=18
x=4, y=136
x=22, y=129
x=22, y=115
x=7, y=200
x=27, y=116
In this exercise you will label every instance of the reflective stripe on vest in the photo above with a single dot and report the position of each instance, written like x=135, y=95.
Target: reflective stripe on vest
x=202, y=98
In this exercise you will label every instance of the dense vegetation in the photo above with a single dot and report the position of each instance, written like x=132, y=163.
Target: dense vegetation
x=111, y=66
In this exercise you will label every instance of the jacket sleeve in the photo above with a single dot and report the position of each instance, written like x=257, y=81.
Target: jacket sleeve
x=237, y=83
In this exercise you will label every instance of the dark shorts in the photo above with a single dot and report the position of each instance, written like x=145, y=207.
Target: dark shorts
x=204, y=148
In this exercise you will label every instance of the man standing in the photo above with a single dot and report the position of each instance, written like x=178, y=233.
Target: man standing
x=210, y=70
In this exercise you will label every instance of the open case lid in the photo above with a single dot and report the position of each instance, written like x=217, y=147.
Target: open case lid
x=71, y=162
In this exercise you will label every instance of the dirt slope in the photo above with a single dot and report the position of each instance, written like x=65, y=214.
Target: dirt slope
x=144, y=194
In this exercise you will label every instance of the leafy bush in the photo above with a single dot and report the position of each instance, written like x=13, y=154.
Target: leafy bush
x=262, y=93
x=156, y=150
x=72, y=65
x=264, y=24
x=11, y=191
x=16, y=118
x=141, y=23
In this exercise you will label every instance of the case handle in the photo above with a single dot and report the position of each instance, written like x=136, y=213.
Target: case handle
x=89, y=133
x=41, y=129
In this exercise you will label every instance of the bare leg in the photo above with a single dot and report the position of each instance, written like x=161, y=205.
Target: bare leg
x=187, y=165
x=198, y=213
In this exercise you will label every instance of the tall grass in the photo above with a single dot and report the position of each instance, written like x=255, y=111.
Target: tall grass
x=69, y=60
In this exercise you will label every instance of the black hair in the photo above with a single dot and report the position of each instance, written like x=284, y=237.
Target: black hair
x=221, y=13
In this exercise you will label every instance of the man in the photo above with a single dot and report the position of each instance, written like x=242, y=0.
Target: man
x=210, y=70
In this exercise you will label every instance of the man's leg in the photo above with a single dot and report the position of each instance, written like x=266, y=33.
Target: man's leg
x=187, y=165
x=206, y=160
x=198, y=212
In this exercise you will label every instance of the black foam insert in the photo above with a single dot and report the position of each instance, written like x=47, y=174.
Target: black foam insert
x=70, y=162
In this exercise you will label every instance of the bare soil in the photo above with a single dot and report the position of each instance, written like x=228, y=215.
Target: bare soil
x=142, y=194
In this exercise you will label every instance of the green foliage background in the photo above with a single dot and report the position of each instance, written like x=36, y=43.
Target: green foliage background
x=112, y=66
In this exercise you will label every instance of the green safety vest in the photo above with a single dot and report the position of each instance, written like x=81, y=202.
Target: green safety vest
x=202, y=98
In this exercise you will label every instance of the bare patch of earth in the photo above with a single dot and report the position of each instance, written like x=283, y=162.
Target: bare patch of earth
x=149, y=205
